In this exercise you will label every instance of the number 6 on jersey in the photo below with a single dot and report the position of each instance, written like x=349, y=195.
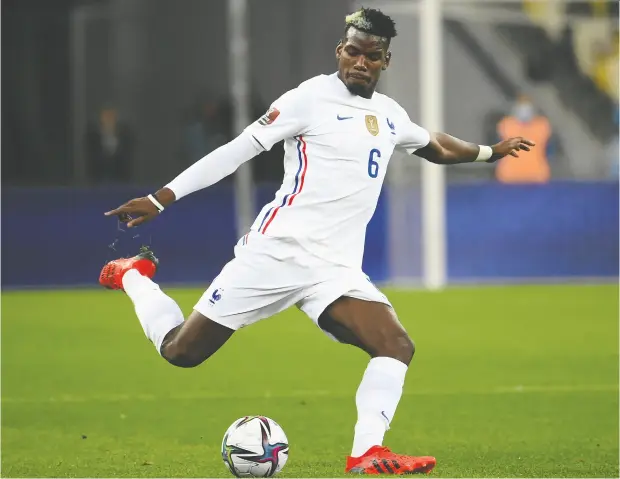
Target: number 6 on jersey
x=373, y=166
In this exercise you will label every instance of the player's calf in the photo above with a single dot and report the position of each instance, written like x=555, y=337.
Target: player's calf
x=193, y=342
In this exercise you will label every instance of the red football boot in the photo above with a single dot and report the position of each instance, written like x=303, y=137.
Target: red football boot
x=145, y=263
x=380, y=460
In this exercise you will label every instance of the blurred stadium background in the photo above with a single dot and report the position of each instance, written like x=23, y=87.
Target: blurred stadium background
x=105, y=100
x=109, y=99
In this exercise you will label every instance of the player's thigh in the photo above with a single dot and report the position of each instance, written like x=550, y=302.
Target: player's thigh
x=372, y=326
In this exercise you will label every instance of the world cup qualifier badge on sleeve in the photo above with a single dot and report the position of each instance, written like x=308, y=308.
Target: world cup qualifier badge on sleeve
x=269, y=117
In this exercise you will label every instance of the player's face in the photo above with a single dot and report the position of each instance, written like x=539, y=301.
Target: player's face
x=361, y=59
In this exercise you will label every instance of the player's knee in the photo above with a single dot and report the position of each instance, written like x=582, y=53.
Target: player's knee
x=181, y=355
x=399, y=346
x=405, y=348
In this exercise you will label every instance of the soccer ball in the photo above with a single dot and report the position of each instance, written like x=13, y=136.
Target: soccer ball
x=255, y=446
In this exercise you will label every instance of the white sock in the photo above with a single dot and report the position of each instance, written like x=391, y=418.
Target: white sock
x=157, y=312
x=376, y=399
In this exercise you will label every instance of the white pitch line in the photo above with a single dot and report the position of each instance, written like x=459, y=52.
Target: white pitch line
x=519, y=389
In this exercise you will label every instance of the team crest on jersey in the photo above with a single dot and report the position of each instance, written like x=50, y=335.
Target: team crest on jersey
x=372, y=124
x=269, y=117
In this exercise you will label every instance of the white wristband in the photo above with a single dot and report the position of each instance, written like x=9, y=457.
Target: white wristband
x=485, y=153
x=157, y=204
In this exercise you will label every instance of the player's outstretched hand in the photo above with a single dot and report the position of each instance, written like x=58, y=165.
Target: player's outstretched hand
x=510, y=147
x=135, y=212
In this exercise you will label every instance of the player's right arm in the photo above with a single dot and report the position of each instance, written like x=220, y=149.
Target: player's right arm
x=284, y=119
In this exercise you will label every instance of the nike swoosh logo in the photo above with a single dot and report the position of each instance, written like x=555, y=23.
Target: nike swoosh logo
x=343, y=117
x=386, y=418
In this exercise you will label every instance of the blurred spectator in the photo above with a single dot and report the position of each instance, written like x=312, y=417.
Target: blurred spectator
x=533, y=166
x=597, y=8
x=605, y=66
x=206, y=129
x=579, y=8
x=565, y=60
x=600, y=8
x=109, y=147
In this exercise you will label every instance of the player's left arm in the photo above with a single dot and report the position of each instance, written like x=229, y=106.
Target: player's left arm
x=444, y=149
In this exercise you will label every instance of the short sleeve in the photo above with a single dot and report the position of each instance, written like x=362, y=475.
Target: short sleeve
x=410, y=136
x=287, y=117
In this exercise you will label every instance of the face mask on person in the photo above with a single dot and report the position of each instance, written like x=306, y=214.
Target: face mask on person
x=524, y=112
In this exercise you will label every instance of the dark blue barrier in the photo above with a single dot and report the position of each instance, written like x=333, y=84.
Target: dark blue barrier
x=60, y=236
x=565, y=229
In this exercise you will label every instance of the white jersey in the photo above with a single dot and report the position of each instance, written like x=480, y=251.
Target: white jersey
x=337, y=148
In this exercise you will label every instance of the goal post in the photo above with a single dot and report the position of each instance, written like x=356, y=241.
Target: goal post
x=433, y=176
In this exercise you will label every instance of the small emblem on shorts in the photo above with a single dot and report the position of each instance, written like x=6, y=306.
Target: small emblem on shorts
x=216, y=296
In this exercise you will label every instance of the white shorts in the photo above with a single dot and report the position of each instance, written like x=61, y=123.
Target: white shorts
x=269, y=275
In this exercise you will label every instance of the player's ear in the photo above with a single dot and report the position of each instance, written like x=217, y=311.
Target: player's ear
x=388, y=58
x=339, y=49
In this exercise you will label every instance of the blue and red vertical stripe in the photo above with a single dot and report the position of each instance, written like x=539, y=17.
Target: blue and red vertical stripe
x=299, y=186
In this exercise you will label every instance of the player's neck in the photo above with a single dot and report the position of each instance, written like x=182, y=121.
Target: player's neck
x=366, y=95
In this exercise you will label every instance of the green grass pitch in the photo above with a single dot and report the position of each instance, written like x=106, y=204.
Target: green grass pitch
x=506, y=382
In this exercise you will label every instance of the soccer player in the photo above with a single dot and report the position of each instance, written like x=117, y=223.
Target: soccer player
x=306, y=246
